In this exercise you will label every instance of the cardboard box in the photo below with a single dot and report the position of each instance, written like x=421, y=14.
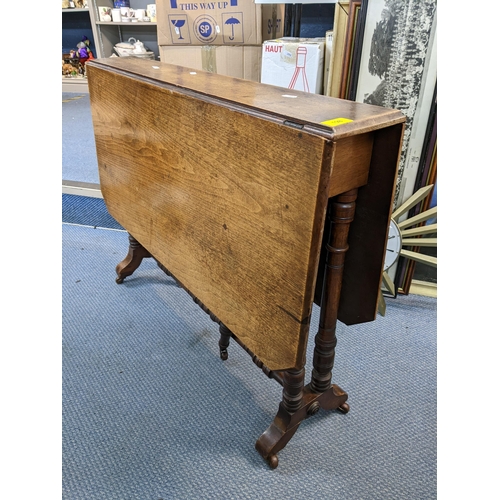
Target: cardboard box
x=226, y=22
x=239, y=62
x=294, y=63
x=267, y=21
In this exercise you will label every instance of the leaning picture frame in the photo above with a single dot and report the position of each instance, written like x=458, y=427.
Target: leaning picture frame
x=354, y=9
x=340, y=23
x=408, y=269
x=398, y=69
x=357, y=46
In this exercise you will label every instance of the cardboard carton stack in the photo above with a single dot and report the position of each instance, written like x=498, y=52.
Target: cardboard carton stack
x=223, y=37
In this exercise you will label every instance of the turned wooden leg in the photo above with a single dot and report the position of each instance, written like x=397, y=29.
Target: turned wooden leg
x=225, y=336
x=341, y=214
x=300, y=402
x=136, y=252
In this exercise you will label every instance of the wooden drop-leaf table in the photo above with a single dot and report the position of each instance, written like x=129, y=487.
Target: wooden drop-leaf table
x=259, y=201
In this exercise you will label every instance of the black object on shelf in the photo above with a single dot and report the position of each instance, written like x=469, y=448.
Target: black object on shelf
x=308, y=20
x=293, y=15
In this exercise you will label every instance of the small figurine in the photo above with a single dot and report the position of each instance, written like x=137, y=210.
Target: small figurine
x=84, y=53
x=68, y=69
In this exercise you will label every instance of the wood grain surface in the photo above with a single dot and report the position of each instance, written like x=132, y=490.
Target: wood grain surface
x=232, y=205
x=271, y=102
x=226, y=183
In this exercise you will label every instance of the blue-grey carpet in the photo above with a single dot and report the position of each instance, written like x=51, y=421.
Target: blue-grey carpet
x=79, y=160
x=87, y=211
x=151, y=412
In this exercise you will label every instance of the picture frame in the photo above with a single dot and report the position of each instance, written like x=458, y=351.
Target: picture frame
x=352, y=83
x=104, y=13
x=427, y=175
x=340, y=22
x=398, y=70
x=352, y=18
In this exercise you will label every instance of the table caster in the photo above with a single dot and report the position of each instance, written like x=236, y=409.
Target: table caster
x=272, y=460
x=344, y=408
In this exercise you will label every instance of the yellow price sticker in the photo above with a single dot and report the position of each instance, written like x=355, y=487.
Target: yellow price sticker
x=335, y=122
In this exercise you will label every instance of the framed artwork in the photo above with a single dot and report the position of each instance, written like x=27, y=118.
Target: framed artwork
x=352, y=19
x=428, y=162
x=357, y=46
x=398, y=70
x=407, y=269
x=104, y=13
x=340, y=24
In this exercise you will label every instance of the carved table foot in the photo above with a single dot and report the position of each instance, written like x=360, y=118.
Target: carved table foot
x=285, y=424
x=136, y=252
